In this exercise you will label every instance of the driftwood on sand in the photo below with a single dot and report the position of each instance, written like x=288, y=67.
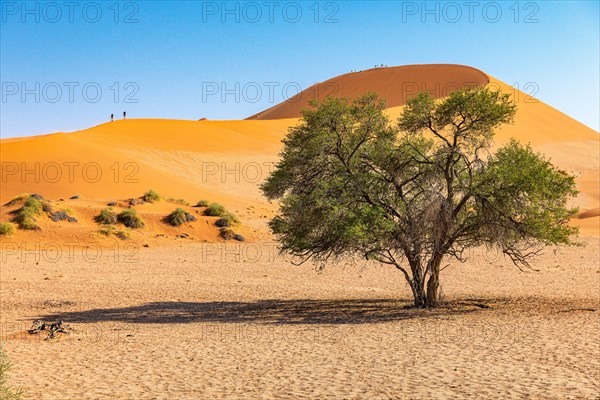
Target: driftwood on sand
x=53, y=328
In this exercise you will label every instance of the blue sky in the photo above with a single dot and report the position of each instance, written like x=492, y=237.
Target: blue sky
x=68, y=65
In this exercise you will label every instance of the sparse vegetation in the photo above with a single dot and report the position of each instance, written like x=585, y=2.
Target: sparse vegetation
x=178, y=201
x=202, y=203
x=222, y=223
x=112, y=204
x=17, y=199
x=6, y=229
x=7, y=392
x=227, y=234
x=227, y=220
x=112, y=230
x=130, y=219
x=106, y=217
x=215, y=210
x=34, y=203
x=151, y=196
x=123, y=235
x=178, y=217
x=106, y=230
x=25, y=216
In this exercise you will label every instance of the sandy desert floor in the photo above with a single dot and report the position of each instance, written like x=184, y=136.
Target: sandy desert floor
x=208, y=320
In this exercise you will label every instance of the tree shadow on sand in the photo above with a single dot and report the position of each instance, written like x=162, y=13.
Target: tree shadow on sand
x=302, y=311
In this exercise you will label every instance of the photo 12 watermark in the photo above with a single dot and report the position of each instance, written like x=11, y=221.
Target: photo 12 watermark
x=91, y=252
x=69, y=92
x=470, y=12
x=269, y=91
x=68, y=172
x=52, y=12
x=253, y=12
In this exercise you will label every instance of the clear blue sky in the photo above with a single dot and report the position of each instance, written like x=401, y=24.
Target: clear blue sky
x=172, y=56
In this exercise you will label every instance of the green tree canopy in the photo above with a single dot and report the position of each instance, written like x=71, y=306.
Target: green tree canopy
x=351, y=182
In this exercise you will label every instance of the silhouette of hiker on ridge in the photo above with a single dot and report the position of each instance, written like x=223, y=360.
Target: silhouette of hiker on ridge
x=124, y=114
x=112, y=117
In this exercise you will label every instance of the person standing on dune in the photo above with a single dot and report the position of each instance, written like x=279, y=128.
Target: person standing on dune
x=124, y=114
x=112, y=117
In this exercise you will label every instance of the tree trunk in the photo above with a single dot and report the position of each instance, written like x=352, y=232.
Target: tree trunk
x=433, y=284
x=417, y=284
x=433, y=291
x=419, y=294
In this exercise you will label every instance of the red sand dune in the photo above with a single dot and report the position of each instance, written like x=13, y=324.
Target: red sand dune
x=226, y=160
x=395, y=84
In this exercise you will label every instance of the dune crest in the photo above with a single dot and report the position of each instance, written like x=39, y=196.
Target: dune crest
x=395, y=84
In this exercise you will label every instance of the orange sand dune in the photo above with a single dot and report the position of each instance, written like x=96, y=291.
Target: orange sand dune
x=395, y=84
x=226, y=161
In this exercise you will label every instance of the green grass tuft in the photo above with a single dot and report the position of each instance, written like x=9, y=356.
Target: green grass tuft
x=130, y=219
x=25, y=216
x=106, y=217
x=227, y=234
x=107, y=230
x=7, y=392
x=215, y=210
x=6, y=229
x=151, y=196
x=227, y=220
x=177, y=217
x=178, y=201
x=202, y=203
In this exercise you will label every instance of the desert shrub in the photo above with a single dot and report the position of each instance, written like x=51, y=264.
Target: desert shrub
x=112, y=204
x=130, y=219
x=112, y=230
x=202, y=203
x=215, y=210
x=227, y=234
x=222, y=223
x=34, y=204
x=106, y=217
x=25, y=216
x=178, y=217
x=17, y=199
x=178, y=201
x=75, y=197
x=7, y=392
x=151, y=196
x=239, y=237
x=123, y=235
x=226, y=220
x=6, y=229
x=37, y=196
x=107, y=230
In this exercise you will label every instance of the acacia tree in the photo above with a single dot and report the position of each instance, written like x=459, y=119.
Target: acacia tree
x=408, y=194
